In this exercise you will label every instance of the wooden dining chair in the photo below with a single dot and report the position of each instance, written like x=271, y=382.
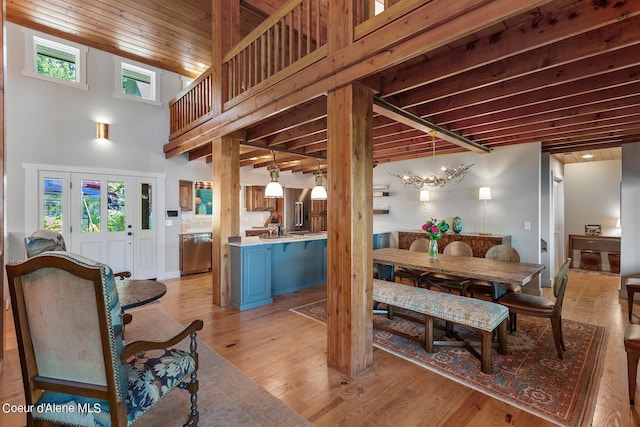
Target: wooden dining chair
x=445, y=281
x=69, y=332
x=496, y=290
x=419, y=245
x=537, y=306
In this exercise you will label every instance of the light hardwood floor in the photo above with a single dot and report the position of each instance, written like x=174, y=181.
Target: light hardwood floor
x=286, y=354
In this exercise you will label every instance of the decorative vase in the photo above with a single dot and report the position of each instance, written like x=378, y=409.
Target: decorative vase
x=433, y=249
x=457, y=224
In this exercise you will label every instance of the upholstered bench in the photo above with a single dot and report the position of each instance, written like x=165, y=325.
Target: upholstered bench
x=478, y=314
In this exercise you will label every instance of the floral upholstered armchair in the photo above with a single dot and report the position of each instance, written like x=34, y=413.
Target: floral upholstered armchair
x=76, y=367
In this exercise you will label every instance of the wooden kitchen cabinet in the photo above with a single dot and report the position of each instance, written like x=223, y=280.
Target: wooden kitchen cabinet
x=255, y=200
x=318, y=215
x=186, y=195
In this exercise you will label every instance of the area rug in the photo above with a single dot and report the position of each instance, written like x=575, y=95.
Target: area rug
x=530, y=376
x=226, y=397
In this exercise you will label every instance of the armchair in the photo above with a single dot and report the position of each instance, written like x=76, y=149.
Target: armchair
x=50, y=240
x=76, y=369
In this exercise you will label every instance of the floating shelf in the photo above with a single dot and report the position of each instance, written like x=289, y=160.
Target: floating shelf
x=380, y=193
x=380, y=211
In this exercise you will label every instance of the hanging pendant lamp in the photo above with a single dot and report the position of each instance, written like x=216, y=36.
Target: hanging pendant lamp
x=318, y=192
x=274, y=190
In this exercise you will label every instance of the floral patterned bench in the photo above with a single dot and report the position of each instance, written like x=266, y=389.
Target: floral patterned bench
x=484, y=316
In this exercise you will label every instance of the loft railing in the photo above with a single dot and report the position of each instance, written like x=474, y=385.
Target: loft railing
x=192, y=106
x=287, y=41
x=292, y=36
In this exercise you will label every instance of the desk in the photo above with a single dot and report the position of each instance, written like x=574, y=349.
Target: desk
x=134, y=293
x=513, y=273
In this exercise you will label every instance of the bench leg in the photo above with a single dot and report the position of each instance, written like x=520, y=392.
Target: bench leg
x=502, y=337
x=428, y=333
x=632, y=372
x=485, y=352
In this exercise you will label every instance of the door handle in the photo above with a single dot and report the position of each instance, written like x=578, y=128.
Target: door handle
x=129, y=234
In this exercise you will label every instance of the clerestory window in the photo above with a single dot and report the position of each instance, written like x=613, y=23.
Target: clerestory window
x=136, y=82
x=51, y=59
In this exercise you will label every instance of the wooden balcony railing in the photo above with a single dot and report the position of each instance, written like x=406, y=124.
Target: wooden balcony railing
x=292, y=36
x=192, y=106
x=287, y=41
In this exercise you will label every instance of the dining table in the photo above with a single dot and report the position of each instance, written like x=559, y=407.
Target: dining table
x=512, y=273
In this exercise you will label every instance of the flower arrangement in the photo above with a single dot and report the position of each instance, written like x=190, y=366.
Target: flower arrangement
x=435, y=228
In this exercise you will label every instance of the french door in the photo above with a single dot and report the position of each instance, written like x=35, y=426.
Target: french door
x=108, y=218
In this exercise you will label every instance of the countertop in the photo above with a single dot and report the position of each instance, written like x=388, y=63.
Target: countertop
x=255, y=240
x=195, y=231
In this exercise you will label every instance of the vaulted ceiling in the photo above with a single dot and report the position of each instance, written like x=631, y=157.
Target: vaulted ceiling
x=566, y=74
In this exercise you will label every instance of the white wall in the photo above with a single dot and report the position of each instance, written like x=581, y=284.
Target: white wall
x=630, y=251
x=592, y=196
x=54, y=124
x=513, y=173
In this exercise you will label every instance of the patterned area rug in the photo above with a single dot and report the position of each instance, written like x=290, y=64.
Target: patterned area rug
x=530, y=376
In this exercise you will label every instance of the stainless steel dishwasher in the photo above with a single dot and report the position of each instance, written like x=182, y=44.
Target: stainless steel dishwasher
x=195, y=250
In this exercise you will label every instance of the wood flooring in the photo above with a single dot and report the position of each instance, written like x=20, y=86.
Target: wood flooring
x=286, y=354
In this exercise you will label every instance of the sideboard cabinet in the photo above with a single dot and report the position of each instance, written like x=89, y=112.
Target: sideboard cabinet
x=480, y=243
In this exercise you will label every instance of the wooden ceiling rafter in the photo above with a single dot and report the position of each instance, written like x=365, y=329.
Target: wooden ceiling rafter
x=564, y=73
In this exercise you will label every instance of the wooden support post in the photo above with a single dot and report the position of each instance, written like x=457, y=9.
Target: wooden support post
x=350, y=230
x=226, y=214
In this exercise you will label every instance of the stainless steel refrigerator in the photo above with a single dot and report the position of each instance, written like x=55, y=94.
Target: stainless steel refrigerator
x=297, y=209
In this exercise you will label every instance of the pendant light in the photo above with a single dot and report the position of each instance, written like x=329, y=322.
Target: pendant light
x=318, y=192
x=434, y=180
x=274, y=190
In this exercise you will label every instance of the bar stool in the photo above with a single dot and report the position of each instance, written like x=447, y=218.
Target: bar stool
x=633, y=285
x=632, y=347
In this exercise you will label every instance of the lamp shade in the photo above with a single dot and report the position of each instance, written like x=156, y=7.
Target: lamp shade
x=318, y=193
x=102, y=130
x=424, y=195
x=273, y=190
x=484, y=193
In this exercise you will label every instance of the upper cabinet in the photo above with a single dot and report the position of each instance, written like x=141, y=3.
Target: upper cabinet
x=186, y=195
x=255, y=200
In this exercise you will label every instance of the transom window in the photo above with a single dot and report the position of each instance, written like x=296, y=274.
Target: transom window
x=53, y=60
x=134, y=81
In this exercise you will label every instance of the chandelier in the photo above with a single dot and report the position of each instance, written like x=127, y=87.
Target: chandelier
x=446, y=176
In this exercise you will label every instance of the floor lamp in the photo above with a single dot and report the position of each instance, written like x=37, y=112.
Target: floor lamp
x=484, y=194
x=424, y=198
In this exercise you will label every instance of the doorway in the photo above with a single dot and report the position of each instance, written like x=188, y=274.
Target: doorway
x=105, y=217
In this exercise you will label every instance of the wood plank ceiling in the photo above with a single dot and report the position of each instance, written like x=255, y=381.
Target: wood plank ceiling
x=566, y=74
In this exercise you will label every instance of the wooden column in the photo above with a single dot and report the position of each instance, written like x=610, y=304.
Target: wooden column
x=226, y=214
x=225, y=32
x=350, y=230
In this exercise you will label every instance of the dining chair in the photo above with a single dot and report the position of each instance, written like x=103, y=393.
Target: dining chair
x=445, y=281
x=537, y=306
x=419, y=245
x=496, y=290
x=50, y=240
x=383, y=272
x=69, y=332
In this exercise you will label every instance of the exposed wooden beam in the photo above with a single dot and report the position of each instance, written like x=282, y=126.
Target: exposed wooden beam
x=383, y=107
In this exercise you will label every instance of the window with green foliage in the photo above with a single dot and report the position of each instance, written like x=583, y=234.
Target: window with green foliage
x=53, y=59
x=137, y=81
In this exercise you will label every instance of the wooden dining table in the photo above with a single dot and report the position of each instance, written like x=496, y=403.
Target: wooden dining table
x=513, y=273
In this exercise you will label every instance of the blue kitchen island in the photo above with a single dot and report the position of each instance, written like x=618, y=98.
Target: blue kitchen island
x=262, y=268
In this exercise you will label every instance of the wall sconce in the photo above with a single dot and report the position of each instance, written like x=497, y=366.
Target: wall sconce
x=484, y=194
x=102, y=130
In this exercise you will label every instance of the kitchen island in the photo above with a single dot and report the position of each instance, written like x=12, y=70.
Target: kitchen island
x=265, y=267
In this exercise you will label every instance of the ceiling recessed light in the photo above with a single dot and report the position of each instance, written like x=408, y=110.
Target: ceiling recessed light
x=587, y=156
